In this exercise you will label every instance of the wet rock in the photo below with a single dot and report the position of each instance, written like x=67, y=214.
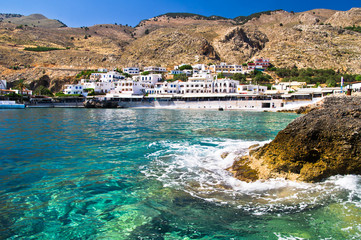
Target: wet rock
x=323, y=143
x=224, y=155
x=93, y=103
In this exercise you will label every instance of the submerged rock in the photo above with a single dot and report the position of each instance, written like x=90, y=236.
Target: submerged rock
x=323, y=143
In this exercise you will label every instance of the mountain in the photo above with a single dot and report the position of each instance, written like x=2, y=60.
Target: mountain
x=315, y=38
x=34, y=20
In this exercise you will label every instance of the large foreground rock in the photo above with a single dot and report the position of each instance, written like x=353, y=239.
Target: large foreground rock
x=323, y=143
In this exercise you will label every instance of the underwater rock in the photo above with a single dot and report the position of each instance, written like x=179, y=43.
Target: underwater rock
x=323, y=143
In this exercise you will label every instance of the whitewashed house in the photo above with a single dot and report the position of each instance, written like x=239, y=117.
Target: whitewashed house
x=102, y=82
x=289, y=85
x=111, y=76
x=74, y=89
x=251, y=89
x=131, y=70
x=153, y=69
x=128, y=87
x=136, y=85
x=226, y=68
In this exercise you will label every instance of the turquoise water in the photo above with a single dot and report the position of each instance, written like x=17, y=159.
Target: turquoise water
x=156, y=174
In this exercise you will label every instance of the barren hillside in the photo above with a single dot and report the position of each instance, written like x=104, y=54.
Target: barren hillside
x=315, y=38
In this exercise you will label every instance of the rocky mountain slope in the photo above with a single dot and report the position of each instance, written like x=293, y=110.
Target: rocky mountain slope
x=315, y=38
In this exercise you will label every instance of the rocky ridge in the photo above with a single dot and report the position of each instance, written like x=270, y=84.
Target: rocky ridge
x=320, y=144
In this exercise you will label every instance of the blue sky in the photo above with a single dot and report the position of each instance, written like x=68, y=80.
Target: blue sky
x=77, y=13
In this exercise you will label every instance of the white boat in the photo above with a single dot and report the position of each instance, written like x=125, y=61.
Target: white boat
x=11, y=105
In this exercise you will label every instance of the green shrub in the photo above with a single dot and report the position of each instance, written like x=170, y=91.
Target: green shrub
x=354, y=28
x=185, y=67
x=181, y=76
x=42, y=49
x=41, y=90
x=61, y=94
x=85, y=74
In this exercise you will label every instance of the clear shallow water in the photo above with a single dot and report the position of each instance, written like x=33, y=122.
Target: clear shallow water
x=156, y=174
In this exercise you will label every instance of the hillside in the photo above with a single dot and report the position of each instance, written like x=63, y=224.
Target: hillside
x=34, y=20
x=314, y=38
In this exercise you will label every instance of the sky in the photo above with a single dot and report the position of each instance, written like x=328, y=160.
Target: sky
x=78, y=13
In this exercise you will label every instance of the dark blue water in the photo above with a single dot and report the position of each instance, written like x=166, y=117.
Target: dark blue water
x=156, y=174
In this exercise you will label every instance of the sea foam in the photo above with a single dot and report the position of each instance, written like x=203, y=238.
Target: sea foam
x=198, y=169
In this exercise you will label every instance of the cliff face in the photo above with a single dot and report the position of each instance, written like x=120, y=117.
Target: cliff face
x=313, y=39
x=323, y=143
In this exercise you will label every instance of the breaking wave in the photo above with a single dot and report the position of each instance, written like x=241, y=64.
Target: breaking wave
x=199, y=169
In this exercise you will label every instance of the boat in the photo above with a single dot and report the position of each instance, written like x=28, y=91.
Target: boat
x=11, y=105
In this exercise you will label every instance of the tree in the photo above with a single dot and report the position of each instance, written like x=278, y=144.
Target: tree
x=331, y=83
x=358, y=78
x=21, y=86
x=145, y=73
x=220, y=75
x=127, y=75
x=262, y=78
x=240, y=77
x=183, y=67
x=41, y=90
x=181, y=76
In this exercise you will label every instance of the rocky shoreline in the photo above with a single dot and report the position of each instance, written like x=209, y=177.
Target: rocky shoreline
x=320, y=144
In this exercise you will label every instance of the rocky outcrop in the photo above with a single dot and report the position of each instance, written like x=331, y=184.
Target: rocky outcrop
x=251, y=38
x=100, y=104
x=241, y=43
x=323, y=143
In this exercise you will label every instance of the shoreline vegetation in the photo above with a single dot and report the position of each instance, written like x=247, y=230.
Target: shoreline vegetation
x=320, y=144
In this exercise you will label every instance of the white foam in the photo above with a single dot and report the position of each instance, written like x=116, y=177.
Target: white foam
x=199, y=170
x=350, y=182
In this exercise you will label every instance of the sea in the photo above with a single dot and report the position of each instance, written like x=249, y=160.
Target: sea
x=157, y=174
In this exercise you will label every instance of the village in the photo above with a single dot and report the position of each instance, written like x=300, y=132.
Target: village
x=186, y=86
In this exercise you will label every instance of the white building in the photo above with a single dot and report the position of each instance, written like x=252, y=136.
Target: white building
x=356, y=87
x=128, y=87
x=111, y=76
x=131, y=70
x=102, y=82
x=176, y=71
x=73, y=89
x=199, y=83
x=98, y=86
x=201, y=67
x=102, y=70
x=226, y=68
x=95, y=76
x=151, y=79
x=137, y=85
x=251, y=89
x=289, y=85
x=225, y=86
x=153, y=69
